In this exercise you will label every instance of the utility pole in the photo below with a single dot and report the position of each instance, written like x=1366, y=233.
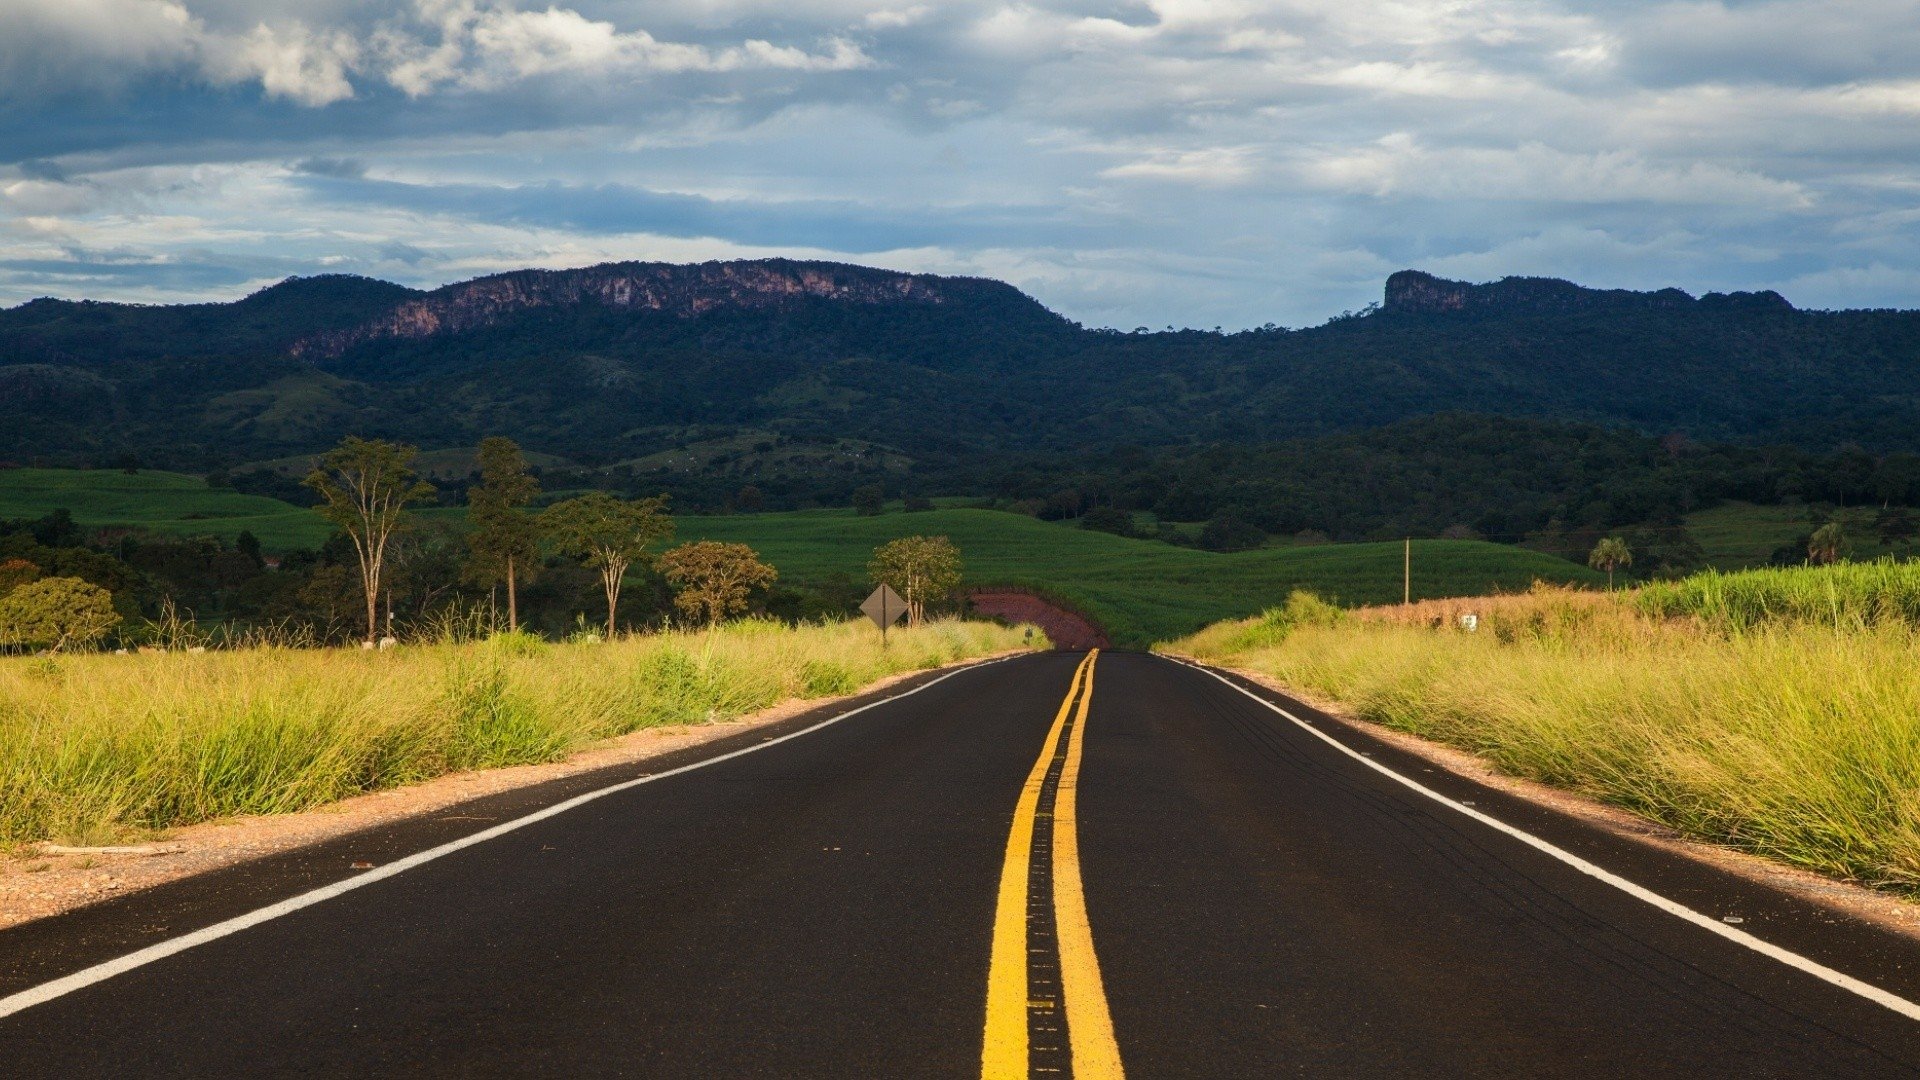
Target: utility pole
x=1406, y=574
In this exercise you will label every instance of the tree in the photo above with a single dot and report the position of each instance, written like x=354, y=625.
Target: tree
x=608, y=534
x=749, y=500
x=249, y=545
x=15, y=573
x=1610, y=554
x=55, y=613
x=1231, y=532
x=1107, y=519
x=505, y=541
x=1827, y=543
x=1896, y=524
x=922, y=569
x=712, y=580
x=869, y=499
x=365, y=487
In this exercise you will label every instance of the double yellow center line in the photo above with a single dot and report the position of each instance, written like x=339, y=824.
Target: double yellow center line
x=1046, y=1007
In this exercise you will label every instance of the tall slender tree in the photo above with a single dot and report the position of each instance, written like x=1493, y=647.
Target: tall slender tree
x=365, y=487
x=1610, y=554
x=505, y=539
x=609, y=534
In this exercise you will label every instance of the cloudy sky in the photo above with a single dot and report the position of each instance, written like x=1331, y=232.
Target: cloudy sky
x=1187, y=162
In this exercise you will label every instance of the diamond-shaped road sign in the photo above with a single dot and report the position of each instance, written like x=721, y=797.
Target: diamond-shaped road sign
x=884, y=607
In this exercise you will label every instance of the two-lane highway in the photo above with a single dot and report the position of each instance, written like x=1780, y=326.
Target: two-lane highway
x=1055, y=865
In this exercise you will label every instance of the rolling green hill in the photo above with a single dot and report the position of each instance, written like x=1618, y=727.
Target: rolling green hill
x=1140, y=590
x=162, y=501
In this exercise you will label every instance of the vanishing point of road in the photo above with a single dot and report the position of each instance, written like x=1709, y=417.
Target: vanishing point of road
x=1062, y=865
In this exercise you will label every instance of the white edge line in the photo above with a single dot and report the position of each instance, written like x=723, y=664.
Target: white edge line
x=85, y=977
x=1794, y=960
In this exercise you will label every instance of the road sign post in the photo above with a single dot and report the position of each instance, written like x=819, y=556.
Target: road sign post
x=884, y=607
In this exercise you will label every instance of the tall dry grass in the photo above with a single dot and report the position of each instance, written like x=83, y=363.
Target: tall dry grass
x=1783, y=736
x=94, y=747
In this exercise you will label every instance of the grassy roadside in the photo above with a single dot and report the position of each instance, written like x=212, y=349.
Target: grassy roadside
x=98, y=747
x=1792, y=737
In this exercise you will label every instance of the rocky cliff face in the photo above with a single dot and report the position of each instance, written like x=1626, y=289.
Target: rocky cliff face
x=1411, y=291
x=681, y=290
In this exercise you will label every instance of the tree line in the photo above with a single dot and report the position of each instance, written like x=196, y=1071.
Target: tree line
x=58, y=590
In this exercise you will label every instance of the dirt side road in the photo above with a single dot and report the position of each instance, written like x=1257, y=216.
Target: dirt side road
x=1066, y=629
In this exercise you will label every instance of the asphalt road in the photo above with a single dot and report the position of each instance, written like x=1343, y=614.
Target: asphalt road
x=1167, y=871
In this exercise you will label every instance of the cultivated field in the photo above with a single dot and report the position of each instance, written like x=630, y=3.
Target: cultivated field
x=98, y=747
x=1140, y=590
x=1777, y=711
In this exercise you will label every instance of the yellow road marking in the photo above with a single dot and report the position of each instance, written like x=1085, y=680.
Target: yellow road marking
x=1096, y=1055
x=1004, y=1053
x=1003, y=1056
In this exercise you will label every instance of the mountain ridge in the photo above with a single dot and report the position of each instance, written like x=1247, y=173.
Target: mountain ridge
x=680, y=290
x=1416, y=291
x=626, y=360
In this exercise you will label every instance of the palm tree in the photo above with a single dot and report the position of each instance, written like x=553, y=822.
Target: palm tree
x=1610, y=554
x=1826, y=543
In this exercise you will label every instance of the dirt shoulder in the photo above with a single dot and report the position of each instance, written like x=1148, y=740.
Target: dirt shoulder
x=1880, y=908
x=52, y=880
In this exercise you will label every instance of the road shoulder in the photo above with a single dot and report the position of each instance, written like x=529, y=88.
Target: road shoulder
x=44, y=884
x=1798, y=908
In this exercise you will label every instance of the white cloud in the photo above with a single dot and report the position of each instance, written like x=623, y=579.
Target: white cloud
x=1209, y=167
x=310, y=67
x=1239, y=159
x=433, y=44
x=1400, y=166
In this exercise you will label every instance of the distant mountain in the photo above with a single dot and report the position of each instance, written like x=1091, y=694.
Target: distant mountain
x=628, y=361
x=1414, y=292
x=681, y=291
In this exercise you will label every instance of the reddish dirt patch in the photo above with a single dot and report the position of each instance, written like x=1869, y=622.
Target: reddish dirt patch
x=1066, y=629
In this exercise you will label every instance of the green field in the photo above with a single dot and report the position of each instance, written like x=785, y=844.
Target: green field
x=161, y=501
x=166, y=502
x=1738, y=535
x=1140, y=590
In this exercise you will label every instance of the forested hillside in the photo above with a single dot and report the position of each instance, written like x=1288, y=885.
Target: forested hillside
x=627, y=360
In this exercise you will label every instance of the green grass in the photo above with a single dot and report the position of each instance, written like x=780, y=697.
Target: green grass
x=161, y=501
x=1140, y=590
x=1789, y=739
x=1845, y=596
x=96, y=747
x=1736, y=535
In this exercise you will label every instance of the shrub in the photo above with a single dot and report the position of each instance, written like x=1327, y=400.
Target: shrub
x=56, y=613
